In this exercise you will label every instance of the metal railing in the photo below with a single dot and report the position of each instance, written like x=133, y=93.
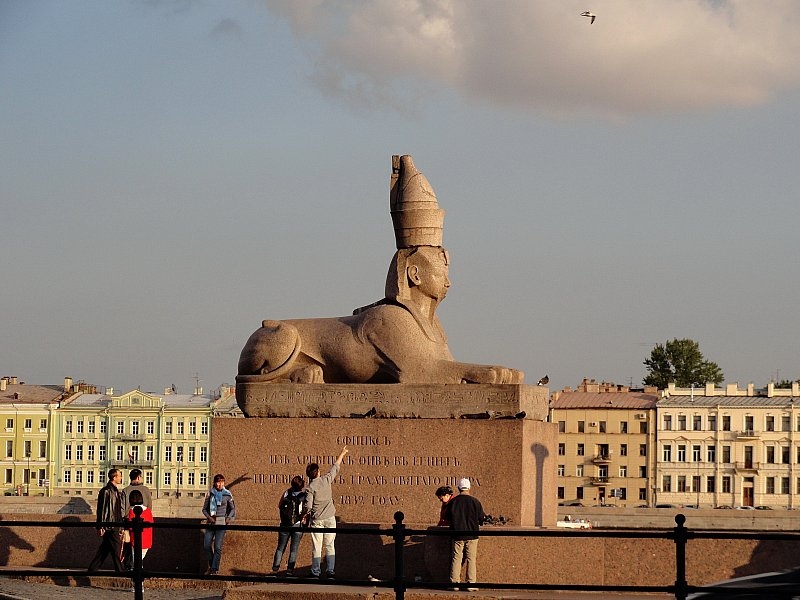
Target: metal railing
x=399, y=583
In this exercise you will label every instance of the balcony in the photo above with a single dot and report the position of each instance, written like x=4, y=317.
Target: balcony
x=130, y=464
x=600, y=459
x=128, y=437
x=598, y=480
x=748, y=434
x=747, y=465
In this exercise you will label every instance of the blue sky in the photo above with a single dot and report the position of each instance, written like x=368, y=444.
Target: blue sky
x=173, y=172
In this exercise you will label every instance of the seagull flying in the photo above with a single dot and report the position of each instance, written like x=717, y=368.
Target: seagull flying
x=586, y=13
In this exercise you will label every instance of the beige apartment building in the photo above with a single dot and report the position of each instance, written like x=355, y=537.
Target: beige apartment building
x=729, y=447
x=605, y=441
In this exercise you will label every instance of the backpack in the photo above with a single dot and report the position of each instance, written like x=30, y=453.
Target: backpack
x=291, y=507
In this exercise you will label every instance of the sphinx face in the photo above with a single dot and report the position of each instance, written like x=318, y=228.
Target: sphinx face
x=432, y=271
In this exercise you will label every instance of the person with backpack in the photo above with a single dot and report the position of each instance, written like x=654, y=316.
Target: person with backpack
x=291, y=508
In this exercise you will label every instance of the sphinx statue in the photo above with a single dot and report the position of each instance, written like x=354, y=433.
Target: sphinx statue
x=398, y=339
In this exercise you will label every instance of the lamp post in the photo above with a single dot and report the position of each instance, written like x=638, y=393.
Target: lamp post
x=28, y=456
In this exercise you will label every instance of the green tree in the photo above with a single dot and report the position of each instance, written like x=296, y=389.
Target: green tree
x=682, y=363
x=786, y=383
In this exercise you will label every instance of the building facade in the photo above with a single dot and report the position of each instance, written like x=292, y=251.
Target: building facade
x=729, y=447
x=605, y=441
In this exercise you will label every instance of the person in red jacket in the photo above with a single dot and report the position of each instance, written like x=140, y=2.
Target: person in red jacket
x=147, y=533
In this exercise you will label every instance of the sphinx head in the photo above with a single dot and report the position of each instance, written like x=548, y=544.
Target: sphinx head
x=420, y=270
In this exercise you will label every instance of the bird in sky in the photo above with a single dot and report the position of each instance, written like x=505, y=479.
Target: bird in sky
x=586, y=13
x=544, y=380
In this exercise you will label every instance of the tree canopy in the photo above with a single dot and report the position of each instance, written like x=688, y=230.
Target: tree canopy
x=682, y=363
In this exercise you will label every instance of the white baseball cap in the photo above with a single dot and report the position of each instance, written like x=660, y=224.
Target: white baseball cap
x=464, y=484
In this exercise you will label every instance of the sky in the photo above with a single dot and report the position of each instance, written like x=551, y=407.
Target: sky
x=173, y=172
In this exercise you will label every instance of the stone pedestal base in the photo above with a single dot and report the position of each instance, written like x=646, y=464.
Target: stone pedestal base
x=394, y=464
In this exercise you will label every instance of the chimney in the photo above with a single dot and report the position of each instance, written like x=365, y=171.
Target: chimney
x=67, y=384
x=3, y=384
x=109, y=391
x=198, y=391
x=13, y=380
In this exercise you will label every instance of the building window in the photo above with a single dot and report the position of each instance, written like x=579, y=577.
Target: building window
x=681, y=453
x=120, y=453
x=42, y=449
x=179, y=478
x=602, y=426
x=726, y=454
x=726, y=484
x=623, y=427
x=711, y=483
x=770, y=423
x=67, y=476
x=560, y=470
x=696, y=483
x=90, y=477
x=192, y=427
x=42, y=424
x=179, y=454
x=560, y=492
x=748, y=423
x=68, y=452
x=203, y=479
x=642, y=472
x=786, y=423
x=68, y=426
x=90, y=426
x=623, y=471
x=133, y=455
x=203, y=454
x=103, y=427
x=101, y=477
x=204, y=428
x=78, y=476
x=667, y=422
x=101, y=456
x=120, y=427
x=712, y=422
x=151, y=427
x=191, y=478
x=642, y=493
x=666, y=483
x=696, y=454
x=711, y=454
x=579, y=471
x=562, y=427
x=642, y=449
x=579, y=492
x=148, y=478
x=667, y=453
x=168, y=427
x=770, y=485
x=581, y=426
x=79, y=429
x=180, y=427
x=28, y=424
x=785, y=455
x=771, y=454
x=27, y=447
x=79, y=452
x=149, y=453
x=168, y=453
x=785, y=485
x=167, y=478
x=623, y=449
x=191, y=454
x=682, y=422
x=581, y=451
x=9, y=448
x=697, y=423
x=135, y=428
x=682, y=483
x=90, y=452
x=726, y=423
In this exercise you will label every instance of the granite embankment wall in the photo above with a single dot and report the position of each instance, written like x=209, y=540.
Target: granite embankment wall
x=550, y=560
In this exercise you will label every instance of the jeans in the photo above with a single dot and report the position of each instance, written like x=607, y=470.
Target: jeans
x=321, y=540
x=468, y=549
x=283, y=538
x=212, y=544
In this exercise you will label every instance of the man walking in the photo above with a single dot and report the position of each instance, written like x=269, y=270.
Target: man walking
x=322, y=514
x=465, y=513
x=135, y=484
x=112, y=506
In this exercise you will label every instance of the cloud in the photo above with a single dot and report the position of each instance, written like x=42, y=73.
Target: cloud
x=637, y=58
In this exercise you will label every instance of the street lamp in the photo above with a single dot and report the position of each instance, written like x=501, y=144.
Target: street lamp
x=28, y=456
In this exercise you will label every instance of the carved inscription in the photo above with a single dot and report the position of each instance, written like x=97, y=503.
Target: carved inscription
x=372, y=474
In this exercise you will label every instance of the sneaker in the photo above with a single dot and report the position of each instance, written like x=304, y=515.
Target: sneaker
x=290, y=572
x=472, y=589
x=330, y=575
x=313, y=576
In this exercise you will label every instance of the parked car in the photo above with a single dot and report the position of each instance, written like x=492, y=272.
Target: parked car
x=777, y=584
x=763, y=508
x=666, y=506
x=743, y=507
x=724, y=507
x=574, y=504
x=568, y=522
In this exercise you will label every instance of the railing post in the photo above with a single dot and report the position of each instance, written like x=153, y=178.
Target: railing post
x=138, y=578
x=681, y=536
x=399, y=567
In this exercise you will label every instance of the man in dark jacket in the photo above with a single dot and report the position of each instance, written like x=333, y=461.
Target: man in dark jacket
x=465, y=513
x=112, y=506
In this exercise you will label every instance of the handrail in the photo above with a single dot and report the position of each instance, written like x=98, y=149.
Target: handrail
x=680, y=535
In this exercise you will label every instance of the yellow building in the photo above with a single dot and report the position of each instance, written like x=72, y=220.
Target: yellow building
x=26, y=414
x=729, y=446
x=167, y=436
x=605, y=441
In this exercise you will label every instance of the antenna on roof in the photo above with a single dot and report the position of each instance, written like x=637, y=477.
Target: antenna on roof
x=198, y=391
